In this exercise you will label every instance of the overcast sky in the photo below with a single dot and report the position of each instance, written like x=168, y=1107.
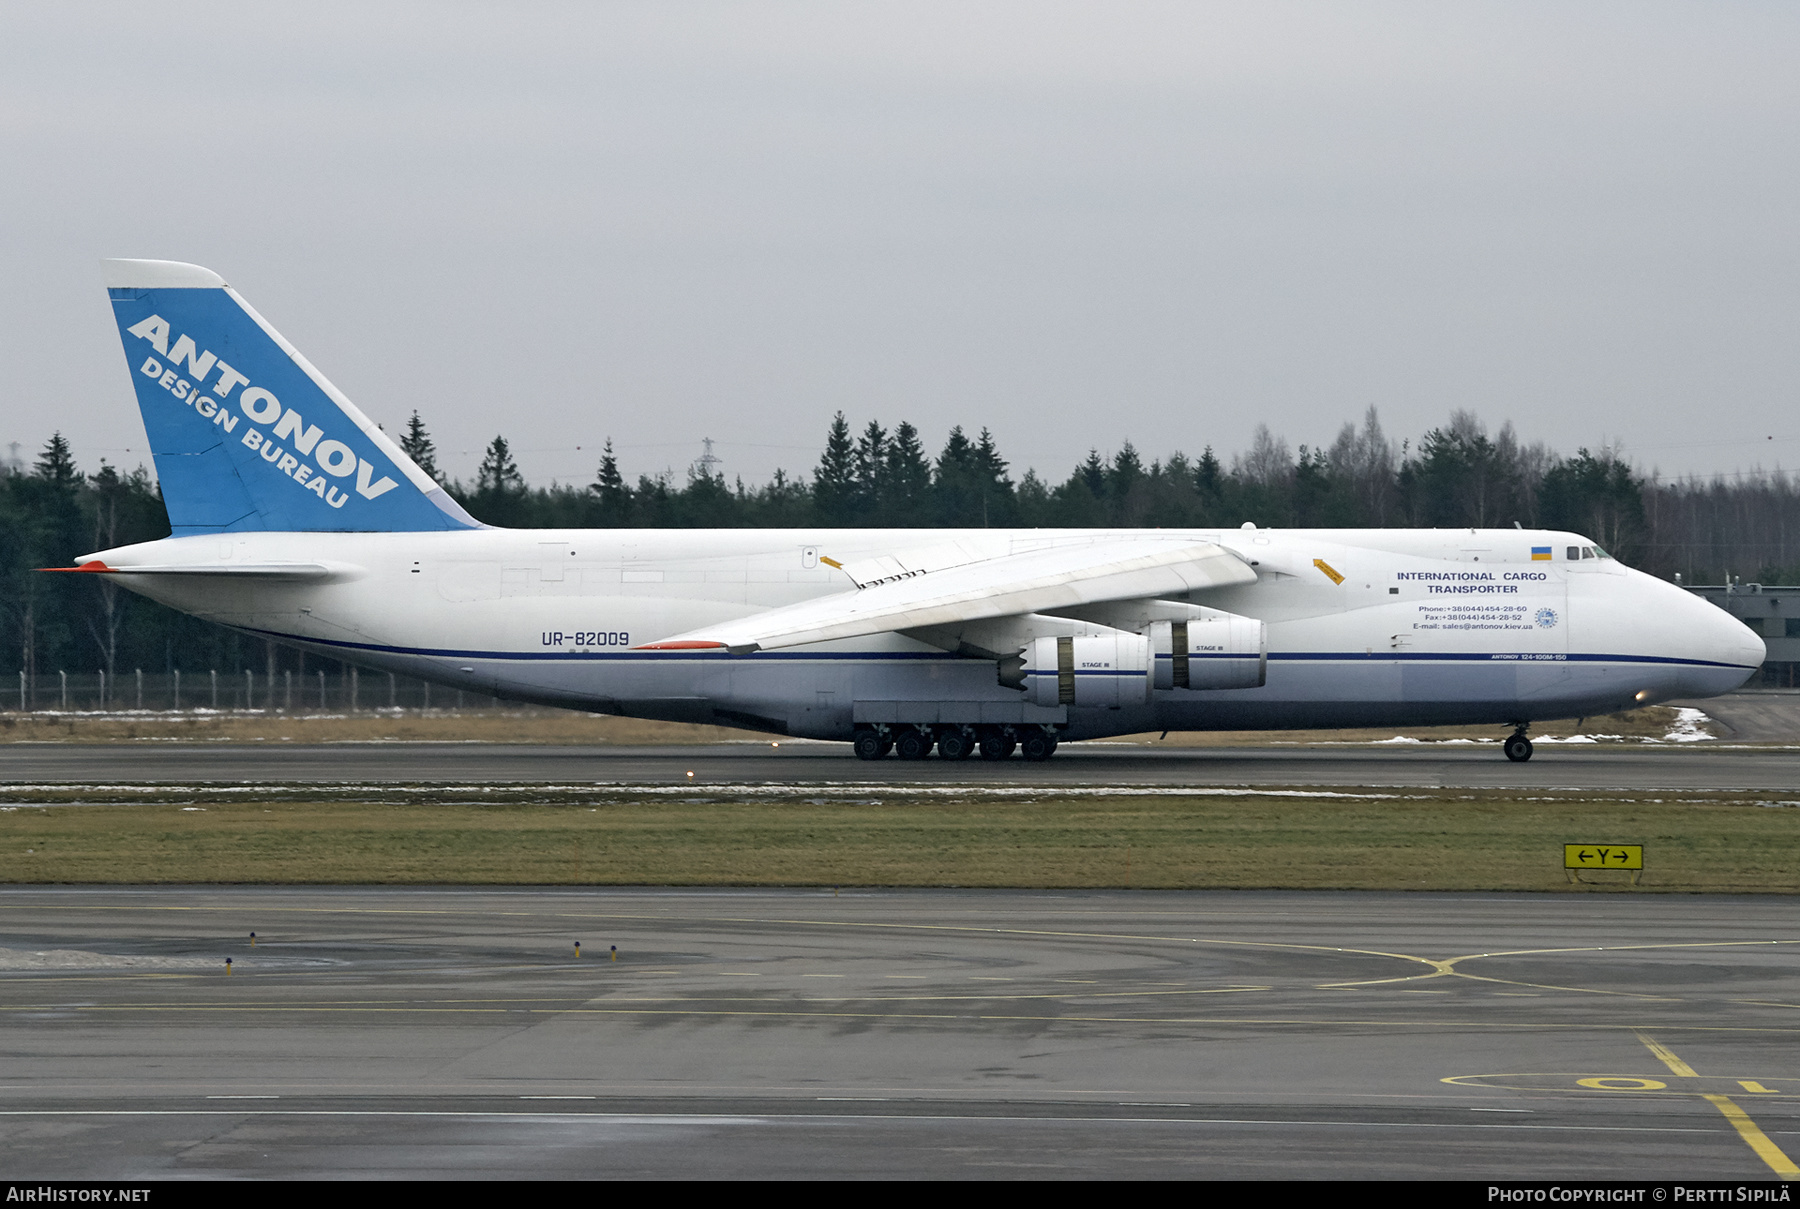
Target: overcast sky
x=1075, y=224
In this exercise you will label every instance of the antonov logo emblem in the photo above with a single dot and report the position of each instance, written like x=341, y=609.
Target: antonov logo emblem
x=259, y=406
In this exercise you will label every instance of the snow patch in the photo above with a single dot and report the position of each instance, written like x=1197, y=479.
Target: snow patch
x=1689, y=727
x=80, y=959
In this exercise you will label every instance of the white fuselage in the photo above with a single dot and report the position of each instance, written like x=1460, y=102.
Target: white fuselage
x=1364, y=627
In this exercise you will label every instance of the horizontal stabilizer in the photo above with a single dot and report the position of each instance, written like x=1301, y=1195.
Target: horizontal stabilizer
x=228, y=570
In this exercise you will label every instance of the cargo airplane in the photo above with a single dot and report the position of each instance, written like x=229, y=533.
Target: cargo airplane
x=296, y=518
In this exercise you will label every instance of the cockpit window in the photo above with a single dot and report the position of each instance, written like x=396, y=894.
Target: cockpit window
x=1574, y=554
x=1601, y=553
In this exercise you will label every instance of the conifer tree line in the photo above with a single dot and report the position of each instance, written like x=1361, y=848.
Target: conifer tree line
x=1747, y=526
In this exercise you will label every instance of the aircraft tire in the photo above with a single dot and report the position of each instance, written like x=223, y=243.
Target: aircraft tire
x=913, y=745
x=1518, y=749
x=996, y=744
x=955, y=743
x=1037, y=748
x=870, y=745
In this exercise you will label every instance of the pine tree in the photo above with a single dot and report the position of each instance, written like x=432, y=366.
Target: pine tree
x=1093, y=474
x=1126, y=489
x=53, y=535
x=498, y=472
x=56, y=465
x=654, y=501
x=1207, y=473
x=992, y=484
x=951, y=497
x=416, y=443
x=871, y=472
x=609, y=486
x=499, y=487
x=834, y=485
x=908, y=479
x=971, y=486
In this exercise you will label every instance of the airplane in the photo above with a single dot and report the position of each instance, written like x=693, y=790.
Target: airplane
x=296, y=518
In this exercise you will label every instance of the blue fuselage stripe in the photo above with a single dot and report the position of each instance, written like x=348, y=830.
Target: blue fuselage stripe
x=665, y=657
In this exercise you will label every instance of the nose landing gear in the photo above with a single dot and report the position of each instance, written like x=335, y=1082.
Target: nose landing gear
x=1517, y=747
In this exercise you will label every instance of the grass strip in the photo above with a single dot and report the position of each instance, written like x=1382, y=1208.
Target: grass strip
x=1481, y=840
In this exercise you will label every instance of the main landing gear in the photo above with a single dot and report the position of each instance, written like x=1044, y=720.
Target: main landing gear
x=1035, y=743
x=870, y=744
x=1517, y=747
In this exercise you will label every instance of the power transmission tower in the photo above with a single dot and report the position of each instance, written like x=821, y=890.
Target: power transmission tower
x=705, y=462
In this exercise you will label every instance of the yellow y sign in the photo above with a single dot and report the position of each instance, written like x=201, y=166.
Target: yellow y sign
x=1603, y=856
x=1326, y=567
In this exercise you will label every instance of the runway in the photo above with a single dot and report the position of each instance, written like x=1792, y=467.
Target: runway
x=1570, y=765
x=923, y=1034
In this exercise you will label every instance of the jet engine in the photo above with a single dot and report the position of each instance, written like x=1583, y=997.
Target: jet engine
x=1220, y=650
x=1212, y=651
x=1104, y=672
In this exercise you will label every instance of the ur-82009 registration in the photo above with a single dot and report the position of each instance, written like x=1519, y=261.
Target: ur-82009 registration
x=586, y=638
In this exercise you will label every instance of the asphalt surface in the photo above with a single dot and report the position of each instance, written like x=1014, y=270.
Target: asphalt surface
x=1561, y=765
x=455, y=1034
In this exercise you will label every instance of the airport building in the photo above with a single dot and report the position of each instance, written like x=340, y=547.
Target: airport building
x=1774, y=613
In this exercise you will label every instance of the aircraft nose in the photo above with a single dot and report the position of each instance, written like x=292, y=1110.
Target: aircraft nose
x=1732, y=649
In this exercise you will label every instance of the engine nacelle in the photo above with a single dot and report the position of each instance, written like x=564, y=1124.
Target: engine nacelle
x=1221, y=650
x=1098, y=673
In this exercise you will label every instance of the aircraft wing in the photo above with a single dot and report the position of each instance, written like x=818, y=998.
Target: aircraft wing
x=1057, y=578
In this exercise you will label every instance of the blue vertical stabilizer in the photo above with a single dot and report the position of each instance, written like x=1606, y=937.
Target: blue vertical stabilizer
x=246, y=434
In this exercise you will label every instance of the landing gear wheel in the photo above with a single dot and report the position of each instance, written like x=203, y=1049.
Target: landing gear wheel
x=913, y=745
x=1517, y=749
x=871, y=745
x=1037, y=747
x=955, y=743
x=996, y=744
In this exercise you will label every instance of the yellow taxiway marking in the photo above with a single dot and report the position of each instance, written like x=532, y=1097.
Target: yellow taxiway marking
x=1439, y=967
x=1621, y=1083
x=1753, y=1136
x=1446, y=967
x=1667, y=1057
x=1757, y=1140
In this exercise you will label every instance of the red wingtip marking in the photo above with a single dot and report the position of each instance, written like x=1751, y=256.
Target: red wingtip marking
x=690, y=645
x=91, y=565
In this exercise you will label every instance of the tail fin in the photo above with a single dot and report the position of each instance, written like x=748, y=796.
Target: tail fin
x=245, y=432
